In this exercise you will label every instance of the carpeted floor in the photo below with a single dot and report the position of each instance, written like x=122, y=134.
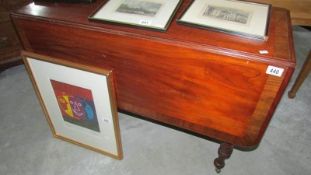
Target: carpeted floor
x=28, y=148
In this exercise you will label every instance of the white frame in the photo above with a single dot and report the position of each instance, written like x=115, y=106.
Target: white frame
x=43, y=69
x=160, y=21
x=254, y=25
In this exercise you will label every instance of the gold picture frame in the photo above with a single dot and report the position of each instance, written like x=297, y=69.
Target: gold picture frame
x=79, y=102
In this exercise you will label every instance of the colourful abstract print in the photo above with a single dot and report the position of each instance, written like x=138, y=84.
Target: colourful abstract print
x=76, y=105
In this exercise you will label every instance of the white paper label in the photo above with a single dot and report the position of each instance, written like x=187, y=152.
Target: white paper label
x=276, y=71
x=145, y=22
x=263, y=52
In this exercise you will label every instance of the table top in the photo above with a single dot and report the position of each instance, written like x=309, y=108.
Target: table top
x=279, y=43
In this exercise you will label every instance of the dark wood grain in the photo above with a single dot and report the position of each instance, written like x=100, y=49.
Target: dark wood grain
x=9, y=43
x=206, y=82
x=224, y=152
x=303, y=74
x=77, y=15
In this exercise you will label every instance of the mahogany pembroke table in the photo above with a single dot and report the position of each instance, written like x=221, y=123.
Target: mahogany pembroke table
x=209, y=83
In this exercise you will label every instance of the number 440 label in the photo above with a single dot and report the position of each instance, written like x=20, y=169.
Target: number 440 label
x=276, y=71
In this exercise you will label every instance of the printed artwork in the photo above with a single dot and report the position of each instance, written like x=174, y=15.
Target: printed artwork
x=76, y=105
x=137, y=7
x=228, y=14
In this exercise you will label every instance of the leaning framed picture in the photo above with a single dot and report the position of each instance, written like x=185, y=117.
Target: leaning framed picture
x=231, y=16
x=154, y=14
x=78, y=102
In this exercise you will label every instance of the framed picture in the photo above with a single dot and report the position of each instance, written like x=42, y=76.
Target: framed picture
x=154, y=14
x=235, y=17
x=78, y=102
x=66, y=1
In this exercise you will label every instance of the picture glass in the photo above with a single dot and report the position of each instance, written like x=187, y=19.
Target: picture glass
x=76, y=105
x=231, y=16
x=227, y=14
x=143, y=8
x=155, y=14
x=78, y=101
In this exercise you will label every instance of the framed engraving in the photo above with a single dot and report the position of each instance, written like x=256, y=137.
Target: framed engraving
x=78, y=102
x=155, y=14
x=231, y=16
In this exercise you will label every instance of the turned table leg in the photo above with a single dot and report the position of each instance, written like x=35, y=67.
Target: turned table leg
x=301, y=77
x=224, y=152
